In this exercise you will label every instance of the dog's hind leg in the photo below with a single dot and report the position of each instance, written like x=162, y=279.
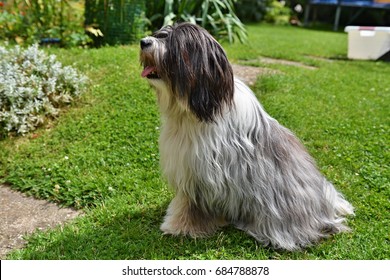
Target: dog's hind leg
x=184, y=217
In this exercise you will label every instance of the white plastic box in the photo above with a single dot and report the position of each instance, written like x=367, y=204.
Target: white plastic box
x=368, y=43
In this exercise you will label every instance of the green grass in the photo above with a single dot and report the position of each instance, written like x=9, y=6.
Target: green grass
x=102, y=156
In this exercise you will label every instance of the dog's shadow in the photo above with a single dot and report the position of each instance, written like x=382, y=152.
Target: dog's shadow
x=135, y=234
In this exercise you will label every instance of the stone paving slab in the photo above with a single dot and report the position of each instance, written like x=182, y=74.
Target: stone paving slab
x=21, y=215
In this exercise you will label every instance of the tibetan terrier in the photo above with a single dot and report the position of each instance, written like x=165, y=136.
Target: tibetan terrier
x=227, y=160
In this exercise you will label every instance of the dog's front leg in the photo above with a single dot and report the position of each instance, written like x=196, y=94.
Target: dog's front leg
x=186, y=218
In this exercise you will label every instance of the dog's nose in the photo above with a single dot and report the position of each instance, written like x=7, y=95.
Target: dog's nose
x=145, y=43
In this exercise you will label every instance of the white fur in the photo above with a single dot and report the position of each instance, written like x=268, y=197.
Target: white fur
x=217, y=159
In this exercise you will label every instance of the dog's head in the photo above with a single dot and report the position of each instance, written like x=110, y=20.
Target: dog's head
x=191, y=64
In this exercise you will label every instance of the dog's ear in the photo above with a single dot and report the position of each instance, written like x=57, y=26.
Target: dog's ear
x=198, y=70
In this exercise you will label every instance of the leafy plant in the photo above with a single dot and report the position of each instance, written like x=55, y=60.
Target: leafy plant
x=278, y=13
x=119, y=21
x=251, y=10
x=26, y=22
x=217, y=16
x=11, y=25
x=33, y=86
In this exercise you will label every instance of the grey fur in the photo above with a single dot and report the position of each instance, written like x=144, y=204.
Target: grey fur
x=241, y=168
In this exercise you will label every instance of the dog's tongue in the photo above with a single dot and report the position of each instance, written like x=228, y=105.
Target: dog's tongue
x=147, y=70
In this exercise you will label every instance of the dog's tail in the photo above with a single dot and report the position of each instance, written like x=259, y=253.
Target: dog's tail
x=341, y=207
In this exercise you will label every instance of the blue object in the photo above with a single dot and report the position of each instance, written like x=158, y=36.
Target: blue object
x=50, y=41
x=339, y=4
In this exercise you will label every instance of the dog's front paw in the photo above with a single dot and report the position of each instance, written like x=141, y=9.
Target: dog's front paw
x=192, y=228
x=167, y=228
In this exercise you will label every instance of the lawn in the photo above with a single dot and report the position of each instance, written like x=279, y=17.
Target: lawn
x=102, y=156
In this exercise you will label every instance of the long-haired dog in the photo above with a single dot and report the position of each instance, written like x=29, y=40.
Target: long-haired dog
x=228, y=161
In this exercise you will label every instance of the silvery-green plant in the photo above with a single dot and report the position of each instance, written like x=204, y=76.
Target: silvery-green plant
x=33, y=85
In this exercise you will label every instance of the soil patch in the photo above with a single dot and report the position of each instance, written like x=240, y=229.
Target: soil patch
x=249, y=74
x=268, y=60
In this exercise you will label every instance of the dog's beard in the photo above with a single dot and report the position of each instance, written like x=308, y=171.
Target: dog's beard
x=149, y=63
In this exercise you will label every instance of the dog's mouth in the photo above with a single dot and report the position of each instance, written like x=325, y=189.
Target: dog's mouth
x=150, y=72
x=150, y=66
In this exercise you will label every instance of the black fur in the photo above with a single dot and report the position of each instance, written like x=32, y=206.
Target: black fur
x=197, y=68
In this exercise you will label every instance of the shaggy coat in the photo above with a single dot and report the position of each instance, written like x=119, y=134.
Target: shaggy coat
x=227, y=160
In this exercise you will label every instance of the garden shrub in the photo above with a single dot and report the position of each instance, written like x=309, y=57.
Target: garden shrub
x=119, y=21
x=33, y=86
x=278, y=13
x=251, y=10
x=27, y=22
